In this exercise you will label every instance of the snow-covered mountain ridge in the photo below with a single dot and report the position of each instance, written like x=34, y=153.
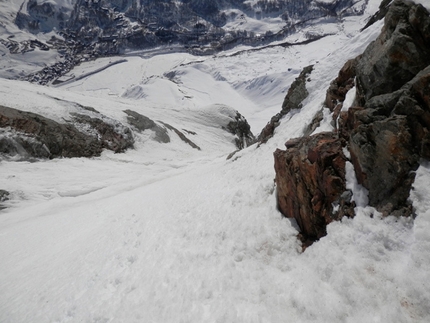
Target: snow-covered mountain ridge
x=165, y=232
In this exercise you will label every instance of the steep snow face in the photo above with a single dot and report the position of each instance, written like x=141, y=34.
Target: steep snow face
x=167, y=233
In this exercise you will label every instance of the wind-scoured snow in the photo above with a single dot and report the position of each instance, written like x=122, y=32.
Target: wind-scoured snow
x=167, y=233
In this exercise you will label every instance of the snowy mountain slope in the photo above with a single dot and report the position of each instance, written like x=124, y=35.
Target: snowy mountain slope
x=167, y=233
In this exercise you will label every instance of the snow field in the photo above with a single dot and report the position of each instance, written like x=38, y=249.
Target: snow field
x=167, y=233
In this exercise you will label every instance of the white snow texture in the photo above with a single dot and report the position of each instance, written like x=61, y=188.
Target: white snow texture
x=167, y=233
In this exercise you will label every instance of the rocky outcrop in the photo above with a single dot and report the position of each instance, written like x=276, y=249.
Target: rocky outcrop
x=35, y=136
x=311, y=185
x=293, y=100
x=387, y=130
x=387, y=139
x=379, y=15
x=242, y=130
x=142, y=123
x=4, y=196
x=26, y=135
x=340, y=86
x=400, y=52
x=112, y=134
x=181, y=135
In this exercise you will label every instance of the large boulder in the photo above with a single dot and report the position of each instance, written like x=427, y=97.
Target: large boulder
x=311, y=185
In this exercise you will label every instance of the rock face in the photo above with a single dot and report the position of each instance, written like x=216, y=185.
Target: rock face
x=293, y=100
x=380, y=14
x=387, y=138
x=387, y=130
x=310, y=180
x=400, y=52
x=29, y=135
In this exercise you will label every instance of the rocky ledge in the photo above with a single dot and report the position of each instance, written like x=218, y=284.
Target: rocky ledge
x=26, y=135
x=385, y=132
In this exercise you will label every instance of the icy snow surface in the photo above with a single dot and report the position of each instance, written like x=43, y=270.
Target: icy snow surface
x=167, y=233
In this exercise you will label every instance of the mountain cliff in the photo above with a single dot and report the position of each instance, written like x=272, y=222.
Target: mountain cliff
x=383, y=130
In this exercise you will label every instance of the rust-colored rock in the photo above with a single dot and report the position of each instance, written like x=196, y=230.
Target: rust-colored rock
x=310, y=179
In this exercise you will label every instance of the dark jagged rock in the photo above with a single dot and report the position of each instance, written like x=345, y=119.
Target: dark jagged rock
x=400, y=52
x=142, y=123
x=310, y=181
x=240, y=127
x=4, y=195
x=379, y=15
x=21, y=146
x=388, y=132
x=297, y=91
x=387, y=138
x=293, y=100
